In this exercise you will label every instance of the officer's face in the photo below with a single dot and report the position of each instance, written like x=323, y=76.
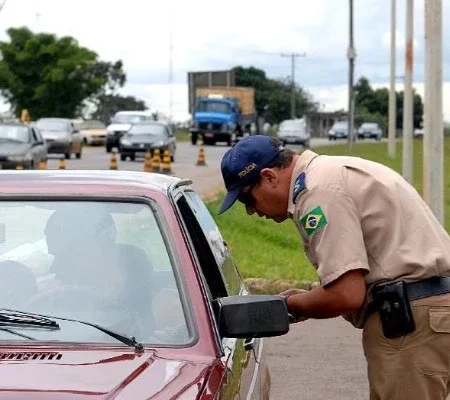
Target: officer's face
x=266, y=198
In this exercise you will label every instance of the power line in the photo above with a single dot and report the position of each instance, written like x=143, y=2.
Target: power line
x=293, y=57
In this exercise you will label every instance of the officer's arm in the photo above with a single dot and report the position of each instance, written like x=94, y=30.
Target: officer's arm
x=344, y=295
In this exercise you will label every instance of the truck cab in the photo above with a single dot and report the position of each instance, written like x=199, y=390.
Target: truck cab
x=216, y=119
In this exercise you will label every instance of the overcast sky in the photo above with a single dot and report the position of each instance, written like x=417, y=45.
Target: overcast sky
x=219, y=35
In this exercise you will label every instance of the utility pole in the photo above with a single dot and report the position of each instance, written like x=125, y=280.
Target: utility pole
x=351, y=55
x=392, y=96
x=170, y=76
x=433, y=140
x=408, y=97
x=293, y=56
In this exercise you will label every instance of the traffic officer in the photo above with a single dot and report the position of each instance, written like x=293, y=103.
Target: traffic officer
x=382, y=257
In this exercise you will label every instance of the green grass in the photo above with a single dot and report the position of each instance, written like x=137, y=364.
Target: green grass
x=265, y=249
x=182, y=136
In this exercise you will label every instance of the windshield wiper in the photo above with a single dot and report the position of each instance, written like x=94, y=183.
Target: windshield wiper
x=46, y=322
x=13, y=318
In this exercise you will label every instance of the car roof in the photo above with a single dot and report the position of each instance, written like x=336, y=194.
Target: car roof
x=86, y=182
x=133, y=113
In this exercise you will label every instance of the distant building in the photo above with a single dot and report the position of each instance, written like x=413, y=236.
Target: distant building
x=320, y=122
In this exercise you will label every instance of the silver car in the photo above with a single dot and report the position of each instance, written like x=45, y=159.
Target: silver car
x=61, y=136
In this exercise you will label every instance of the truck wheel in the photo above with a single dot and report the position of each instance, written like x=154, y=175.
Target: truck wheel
x=194, y=137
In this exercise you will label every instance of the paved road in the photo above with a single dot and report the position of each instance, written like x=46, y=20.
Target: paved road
x=318, y=359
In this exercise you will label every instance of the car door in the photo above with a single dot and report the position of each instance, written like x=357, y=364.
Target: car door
x=39, y=149
x=171, y=140
x=245, y=378
x=77, y=138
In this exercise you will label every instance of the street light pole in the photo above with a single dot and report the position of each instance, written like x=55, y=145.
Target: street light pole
x=433, y=140
x=293, y=56
x=408, y=97
x=351, y=54
x=392, y=94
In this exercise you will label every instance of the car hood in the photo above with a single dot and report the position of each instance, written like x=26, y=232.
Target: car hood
x=14, y=149
x=53, y=135
x=97, y=375
x=136, y=139
x=93, y=132
x=212, y=117
x=119, y=127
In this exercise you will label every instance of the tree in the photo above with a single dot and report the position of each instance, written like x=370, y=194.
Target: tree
x=112, y=103
x=273, y=96
x=374, y=104
x=51, y=76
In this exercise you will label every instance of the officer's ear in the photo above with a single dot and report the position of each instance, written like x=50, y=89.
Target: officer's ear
x=270, y=176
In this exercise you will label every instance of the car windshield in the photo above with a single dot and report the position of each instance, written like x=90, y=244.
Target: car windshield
x=340, y=125
x=147, y=129
x=106, y=263
x=129, y=118
x=369, y=125
x=14, y=133
x=91, y=125
x=52, y=125
x=292, y=125
x=213, y=106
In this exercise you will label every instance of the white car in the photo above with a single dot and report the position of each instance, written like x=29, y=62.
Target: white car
x=370, y=130
x=294, y=131
x=121, y=123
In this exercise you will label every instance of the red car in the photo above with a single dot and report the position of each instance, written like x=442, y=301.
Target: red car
x=119, y=285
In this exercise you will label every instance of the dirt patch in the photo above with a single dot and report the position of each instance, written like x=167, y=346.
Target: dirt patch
x=275, y=286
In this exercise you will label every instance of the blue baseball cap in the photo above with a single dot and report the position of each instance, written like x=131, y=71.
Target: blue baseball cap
x=242, y=164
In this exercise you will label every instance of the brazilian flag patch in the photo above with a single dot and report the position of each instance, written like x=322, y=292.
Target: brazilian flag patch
x=313, y=221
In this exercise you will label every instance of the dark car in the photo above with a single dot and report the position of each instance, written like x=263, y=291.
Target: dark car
x=147, y=136
x=21, y=146
x=119, y=285
x=61, y=136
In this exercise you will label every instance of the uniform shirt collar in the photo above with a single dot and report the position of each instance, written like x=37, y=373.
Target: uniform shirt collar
x=301, y=165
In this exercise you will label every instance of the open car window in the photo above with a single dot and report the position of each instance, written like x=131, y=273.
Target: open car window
x=102, y=262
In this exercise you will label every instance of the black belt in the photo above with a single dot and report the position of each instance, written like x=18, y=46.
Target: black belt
x=433, y=286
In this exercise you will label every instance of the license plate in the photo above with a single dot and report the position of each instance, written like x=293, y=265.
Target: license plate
x=209, y=134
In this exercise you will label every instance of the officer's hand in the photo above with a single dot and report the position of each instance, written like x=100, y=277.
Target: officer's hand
x=292, y=317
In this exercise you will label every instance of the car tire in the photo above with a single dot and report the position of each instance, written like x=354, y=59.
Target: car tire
x=67, y=155
x=133, y=157
x=123, y=157
x=78, y=155
x=108, y=149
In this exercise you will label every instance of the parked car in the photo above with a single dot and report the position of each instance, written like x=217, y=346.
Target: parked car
x=148, y=136
x=370, y=130
x=61, y=136
x=121, y=123
x=119, y=284
x=294, y=131
x=21, y=146
x=339, y=130
x=92, y=131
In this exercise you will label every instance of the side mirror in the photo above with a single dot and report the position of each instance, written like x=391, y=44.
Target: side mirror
x=252, y=316
x=75, y=131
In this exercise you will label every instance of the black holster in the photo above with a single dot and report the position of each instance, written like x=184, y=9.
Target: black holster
x=392, y=303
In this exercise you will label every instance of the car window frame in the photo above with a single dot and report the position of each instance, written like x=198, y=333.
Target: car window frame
x=222, y=342
x=175, y=261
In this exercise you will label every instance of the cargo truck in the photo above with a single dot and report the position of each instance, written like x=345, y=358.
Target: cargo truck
x=222, y=114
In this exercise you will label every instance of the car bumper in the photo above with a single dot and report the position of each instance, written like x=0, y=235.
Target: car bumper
x=96, y=140
x=57, y=147
x=8, y=164
x=138, y=149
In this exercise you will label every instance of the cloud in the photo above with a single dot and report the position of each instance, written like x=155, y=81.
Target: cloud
x=241, y=33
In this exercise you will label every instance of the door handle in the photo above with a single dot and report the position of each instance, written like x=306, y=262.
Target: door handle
x=249, y=344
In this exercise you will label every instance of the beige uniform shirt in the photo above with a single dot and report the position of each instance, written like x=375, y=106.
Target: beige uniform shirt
x=358, y=214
